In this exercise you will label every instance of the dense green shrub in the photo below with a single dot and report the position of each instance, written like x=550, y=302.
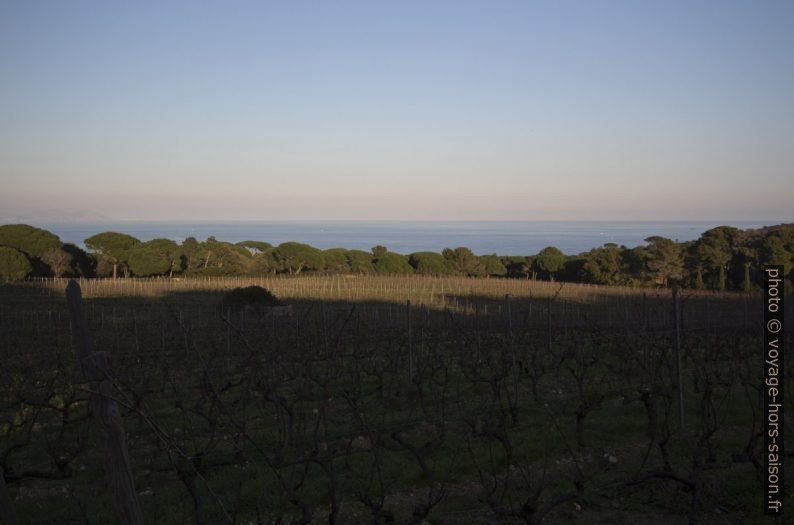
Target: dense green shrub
x=335, y=260
x=13, y=264
x=145, y=261
x=463, y=261
x=392, y=263
x=295, y=257
x=360, y=262
x=493, y=265
x=35, y=242
x=430, y=263
x=113, y=251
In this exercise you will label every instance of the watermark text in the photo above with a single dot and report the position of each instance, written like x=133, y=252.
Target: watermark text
x=773, y=390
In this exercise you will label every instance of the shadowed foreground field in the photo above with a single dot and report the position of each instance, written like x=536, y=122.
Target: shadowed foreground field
x=556, y=404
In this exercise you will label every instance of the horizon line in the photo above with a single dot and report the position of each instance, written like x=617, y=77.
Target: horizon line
x=271, y=220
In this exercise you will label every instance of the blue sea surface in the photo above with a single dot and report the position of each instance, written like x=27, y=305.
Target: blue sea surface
x=483, y=237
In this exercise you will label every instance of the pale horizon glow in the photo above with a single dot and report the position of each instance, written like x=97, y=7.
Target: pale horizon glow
x=501, y=110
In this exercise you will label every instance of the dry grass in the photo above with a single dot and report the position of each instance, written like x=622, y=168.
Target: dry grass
x=420, y=290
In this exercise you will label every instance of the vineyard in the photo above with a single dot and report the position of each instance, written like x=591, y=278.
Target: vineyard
x=378, y=399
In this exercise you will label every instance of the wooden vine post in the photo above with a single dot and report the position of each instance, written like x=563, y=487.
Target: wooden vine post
x=105, y=410
x=410, y=341
x=677, y=348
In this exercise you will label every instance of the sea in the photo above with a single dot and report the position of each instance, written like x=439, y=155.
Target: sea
x=482, y=237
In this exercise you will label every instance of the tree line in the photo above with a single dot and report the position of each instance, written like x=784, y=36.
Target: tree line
x=722, y=258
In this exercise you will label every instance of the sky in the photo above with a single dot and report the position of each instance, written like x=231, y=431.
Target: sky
x=412, y=110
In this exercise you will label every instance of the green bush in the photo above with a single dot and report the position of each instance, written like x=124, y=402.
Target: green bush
x=392, y=263
x=492, y=265
x=294, y=257
x=430, y=263
x=336, y=261
x=13, y=264
x=35, y=242
x=360, y=262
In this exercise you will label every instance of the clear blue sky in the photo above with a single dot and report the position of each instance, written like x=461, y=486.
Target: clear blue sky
x=397, y=110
